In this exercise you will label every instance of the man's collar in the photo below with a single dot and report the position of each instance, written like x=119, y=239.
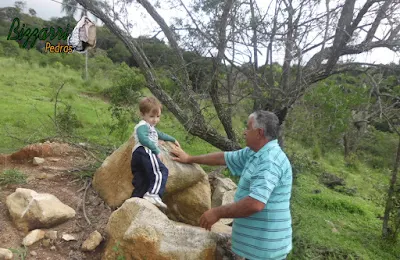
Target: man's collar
x=271, y=144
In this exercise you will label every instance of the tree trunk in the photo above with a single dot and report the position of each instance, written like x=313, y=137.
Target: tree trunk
x=256, y=88
x=286, y=68
x=192, y=120
x=86, y=66
x=222, y=112
x=346, y=146
x=389, y=201
x=86, y=53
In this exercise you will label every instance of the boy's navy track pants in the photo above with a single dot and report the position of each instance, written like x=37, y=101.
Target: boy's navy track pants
x=150, y=174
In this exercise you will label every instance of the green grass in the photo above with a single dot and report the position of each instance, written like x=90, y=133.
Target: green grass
x=12, y=176
x=318, y=212
x=27, y=97
x=327, y=224
x=19, y=253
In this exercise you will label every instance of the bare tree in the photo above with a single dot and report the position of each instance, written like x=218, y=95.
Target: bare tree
x=387, y=107
x=32, y=12
x=20, y=5
x=299, y=28
x=392, y=196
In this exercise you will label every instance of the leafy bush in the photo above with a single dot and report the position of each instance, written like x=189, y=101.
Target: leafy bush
x=99, y=64
x=302, y=163
x=73, y=60
x=67, y=120
x=12, y=176
x=9, y=48
x=325, y=113
x=124, y=97
x=378, y=149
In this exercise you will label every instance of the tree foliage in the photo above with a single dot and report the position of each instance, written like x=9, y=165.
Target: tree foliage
x=216, y=27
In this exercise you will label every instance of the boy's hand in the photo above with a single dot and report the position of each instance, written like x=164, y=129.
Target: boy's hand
x=160, y=156
x=177, y=143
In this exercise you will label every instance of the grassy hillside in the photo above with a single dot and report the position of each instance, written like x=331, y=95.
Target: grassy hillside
x=333, y=225
x=27, y=98
x=327, y=224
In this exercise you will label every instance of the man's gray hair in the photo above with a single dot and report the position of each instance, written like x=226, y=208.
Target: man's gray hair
x=267, y=121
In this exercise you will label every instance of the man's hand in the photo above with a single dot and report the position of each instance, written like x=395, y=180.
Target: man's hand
x=181, y=156
x=209, y=218
x=177, y=143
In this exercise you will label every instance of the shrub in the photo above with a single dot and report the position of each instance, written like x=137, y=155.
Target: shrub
x=12, y=176
x=9, y=48
x=378, y=149
x=67, y=121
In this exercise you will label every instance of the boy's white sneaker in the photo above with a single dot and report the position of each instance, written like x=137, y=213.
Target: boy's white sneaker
x=155, y=199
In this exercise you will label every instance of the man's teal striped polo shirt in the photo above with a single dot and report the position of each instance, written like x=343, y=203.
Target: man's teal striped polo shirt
x=266, y=176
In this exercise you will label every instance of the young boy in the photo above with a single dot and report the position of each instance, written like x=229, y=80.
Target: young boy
x=150, y=174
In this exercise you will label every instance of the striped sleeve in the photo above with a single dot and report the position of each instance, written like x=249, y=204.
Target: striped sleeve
x=263, y=182
x=236, y=160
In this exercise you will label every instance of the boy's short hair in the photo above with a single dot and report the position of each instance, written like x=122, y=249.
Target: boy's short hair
x=149, y=104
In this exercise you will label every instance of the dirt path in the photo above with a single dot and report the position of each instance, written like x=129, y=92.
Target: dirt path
x=57, y=176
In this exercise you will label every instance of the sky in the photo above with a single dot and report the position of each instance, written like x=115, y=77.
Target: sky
x=48, y=8
x=44, y=8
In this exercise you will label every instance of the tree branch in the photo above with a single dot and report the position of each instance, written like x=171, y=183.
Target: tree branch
x=194, y=127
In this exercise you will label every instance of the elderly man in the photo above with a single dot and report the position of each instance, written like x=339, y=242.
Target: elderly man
x=262, y=227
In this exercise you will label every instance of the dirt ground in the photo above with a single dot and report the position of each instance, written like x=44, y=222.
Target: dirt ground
x=58, y=175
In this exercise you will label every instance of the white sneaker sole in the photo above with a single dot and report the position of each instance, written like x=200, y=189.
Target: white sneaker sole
x=155, y=202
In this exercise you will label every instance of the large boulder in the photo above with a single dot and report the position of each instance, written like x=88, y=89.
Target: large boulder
x=139, y=230
x=221, y=186
x=224, y=193
x=30, y=210
x=187, y=195
x=189, y=204
x=113, y=180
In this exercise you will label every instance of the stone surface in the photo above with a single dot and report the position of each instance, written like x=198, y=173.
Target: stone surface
x=5, y=254
x=51, y=234
x=37, y=161
x=139, y=230
x=33, y=237
x=188, y=205
x=221, y=185
x=68, y=237
x=331, y=180
x=92, y=241
x=46, y=242
x=30, y=210
x=187, y=194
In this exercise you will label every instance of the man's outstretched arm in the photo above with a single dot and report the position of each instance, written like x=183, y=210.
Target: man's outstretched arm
x=241, y=209
x=207, y=159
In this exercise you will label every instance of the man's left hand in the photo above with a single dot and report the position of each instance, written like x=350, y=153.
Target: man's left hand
x=209, y=218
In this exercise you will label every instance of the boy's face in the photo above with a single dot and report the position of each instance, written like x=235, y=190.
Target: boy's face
x=152, y=117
